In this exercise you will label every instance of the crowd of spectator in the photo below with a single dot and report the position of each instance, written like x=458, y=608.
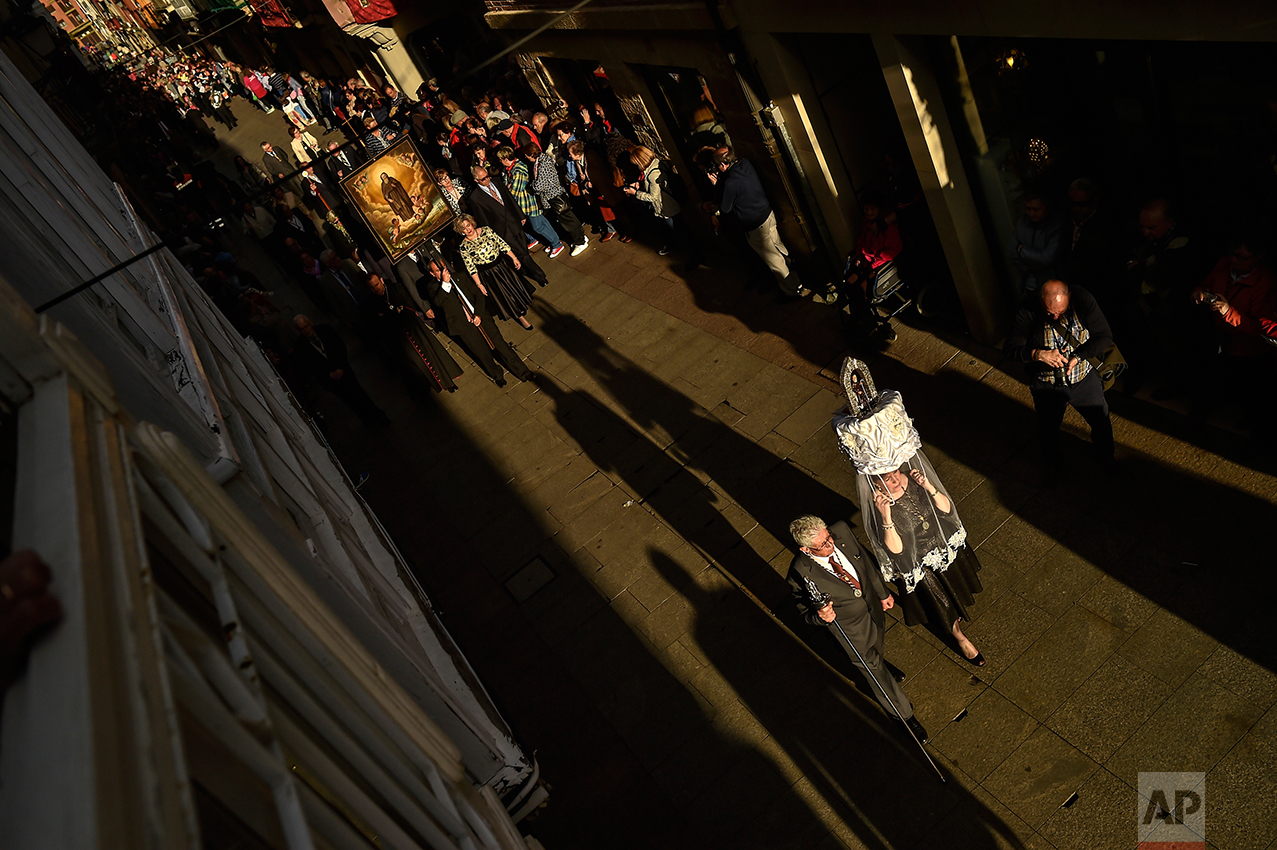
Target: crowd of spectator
x=519, y=181
x=1190, y=320
x=1195, y=318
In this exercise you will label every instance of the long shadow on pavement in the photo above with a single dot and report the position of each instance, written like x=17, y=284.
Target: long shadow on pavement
x=1166, y=526
x=576, y=684
x=827, y=734
x=1094, y=556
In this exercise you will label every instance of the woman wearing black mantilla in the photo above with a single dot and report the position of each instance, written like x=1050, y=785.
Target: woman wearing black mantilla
x=912, y=522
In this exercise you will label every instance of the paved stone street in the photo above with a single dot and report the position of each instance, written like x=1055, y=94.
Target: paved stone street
x=608, y=544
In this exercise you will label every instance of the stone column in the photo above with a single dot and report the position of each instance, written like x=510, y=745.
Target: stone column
x=916, y=94
x=392, y=55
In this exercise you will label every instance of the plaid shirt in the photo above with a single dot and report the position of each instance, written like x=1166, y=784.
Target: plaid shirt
x=1052, y=338
x=517, y=183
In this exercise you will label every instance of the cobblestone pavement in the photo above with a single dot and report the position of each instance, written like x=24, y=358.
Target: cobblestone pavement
x=608, y=545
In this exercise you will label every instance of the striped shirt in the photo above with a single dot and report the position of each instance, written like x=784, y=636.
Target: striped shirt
x=377, y=141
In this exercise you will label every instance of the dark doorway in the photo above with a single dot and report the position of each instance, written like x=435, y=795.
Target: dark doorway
x=683, y=99
x=1192, y=121
x=584, y=82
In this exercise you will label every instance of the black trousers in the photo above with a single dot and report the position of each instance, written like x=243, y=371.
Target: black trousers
x=527, y=265
x=887, y=690
x=1087, y=398
x=486, y=357
x=567, y=220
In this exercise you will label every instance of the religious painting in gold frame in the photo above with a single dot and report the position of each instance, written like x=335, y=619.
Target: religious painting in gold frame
x=398, y=198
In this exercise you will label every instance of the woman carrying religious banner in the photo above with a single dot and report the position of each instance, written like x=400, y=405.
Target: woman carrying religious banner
x=910, y=519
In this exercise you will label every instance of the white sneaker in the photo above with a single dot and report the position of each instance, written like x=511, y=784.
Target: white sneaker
x=578, y=249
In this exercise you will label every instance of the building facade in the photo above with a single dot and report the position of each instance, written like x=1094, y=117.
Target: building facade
x=977, y=103
x=245, y=658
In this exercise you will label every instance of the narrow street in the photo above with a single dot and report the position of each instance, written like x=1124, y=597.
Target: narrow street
x=608, y=545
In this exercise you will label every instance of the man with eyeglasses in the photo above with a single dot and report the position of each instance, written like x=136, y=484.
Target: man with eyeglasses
x=831, y=560
x=492, y=205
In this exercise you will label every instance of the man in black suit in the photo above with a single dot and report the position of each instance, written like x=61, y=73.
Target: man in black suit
x=321, y=354
x=275, y=162
x=832, y=560
x=317, y=193
x=493, y=206
x=466, y=319
x=342, y=160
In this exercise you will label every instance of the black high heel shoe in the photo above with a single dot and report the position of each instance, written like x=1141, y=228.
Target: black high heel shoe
x=977, y=661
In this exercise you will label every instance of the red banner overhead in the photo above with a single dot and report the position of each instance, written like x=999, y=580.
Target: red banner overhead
x=271, y=13
x=371, y=11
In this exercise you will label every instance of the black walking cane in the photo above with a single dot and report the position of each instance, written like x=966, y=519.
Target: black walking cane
x=820, y=599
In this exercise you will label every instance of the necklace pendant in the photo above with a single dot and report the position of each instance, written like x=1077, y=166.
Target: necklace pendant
x=856, y=591
x=925, y=525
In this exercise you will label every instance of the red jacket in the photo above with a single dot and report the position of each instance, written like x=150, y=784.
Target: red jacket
x=520, y=137
x=1249, y=300
x=879, y=247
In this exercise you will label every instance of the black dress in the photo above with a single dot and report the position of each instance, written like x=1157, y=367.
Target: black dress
x=509, y=292
x=407, y=339
x=941, y=596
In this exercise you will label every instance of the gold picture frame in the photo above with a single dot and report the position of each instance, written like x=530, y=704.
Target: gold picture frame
x=398, y=198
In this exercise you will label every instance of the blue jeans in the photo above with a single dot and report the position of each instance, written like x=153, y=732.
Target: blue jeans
x=679, y=236
x=303, y=111
x=540, y=227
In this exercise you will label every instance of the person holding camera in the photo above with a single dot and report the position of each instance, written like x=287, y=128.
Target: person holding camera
x=1238, y=292
x=1057, y=332
x=741, y=194
x=1236, y=296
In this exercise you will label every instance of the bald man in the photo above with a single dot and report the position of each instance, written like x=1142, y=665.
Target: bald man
x=1059, y=333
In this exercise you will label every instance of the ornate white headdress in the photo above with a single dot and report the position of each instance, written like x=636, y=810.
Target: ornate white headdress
x=877, y=436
